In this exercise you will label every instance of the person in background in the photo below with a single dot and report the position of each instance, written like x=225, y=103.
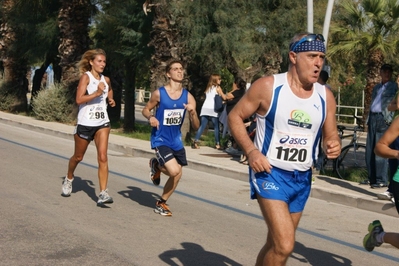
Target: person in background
x=208, y=111
x=232, y=98
x=93, y=93
x=172, y=102
x=378, y=121
x=323, y=78
x=291, y=111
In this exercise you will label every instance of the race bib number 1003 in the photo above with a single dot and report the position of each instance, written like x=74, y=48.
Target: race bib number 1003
x=173, y=117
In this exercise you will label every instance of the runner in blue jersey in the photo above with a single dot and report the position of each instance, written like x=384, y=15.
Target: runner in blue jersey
x=292, y=111
x=172, y=102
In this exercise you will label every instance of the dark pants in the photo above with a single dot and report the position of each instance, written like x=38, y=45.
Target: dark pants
x=377, y=166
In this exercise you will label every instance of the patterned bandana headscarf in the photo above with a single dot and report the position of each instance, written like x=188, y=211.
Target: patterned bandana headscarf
x=311, y=42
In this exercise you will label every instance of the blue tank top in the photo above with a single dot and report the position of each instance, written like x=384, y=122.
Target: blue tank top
x=170, y=114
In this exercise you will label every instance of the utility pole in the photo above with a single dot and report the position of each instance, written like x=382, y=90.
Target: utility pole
x=327, y=19
x=310, y=16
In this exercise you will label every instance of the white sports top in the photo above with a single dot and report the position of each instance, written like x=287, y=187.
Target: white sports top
x=290, y=131
x=94, y=113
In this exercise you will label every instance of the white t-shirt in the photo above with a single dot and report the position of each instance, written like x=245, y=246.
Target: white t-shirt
x=208, y=108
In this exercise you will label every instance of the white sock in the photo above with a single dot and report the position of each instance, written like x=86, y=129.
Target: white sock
x=380, y=237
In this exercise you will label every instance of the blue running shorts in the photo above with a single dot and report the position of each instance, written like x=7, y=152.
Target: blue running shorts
x=292, y=187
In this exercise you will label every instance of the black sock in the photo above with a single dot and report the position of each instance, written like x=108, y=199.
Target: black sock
x=161, y=200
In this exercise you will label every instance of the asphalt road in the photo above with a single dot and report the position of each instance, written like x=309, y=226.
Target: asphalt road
x=213, y=222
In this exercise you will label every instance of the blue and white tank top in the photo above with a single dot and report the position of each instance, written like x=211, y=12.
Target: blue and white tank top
x=170, y=114
x=290, y=131
x=94, y=113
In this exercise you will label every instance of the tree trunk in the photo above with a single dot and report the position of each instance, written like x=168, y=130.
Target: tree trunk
x=129, y=113
x=14, y=64
x=73, y=22
x=166, y=43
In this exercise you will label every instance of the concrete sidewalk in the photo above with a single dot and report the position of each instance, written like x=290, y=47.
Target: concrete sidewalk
x=220, y=163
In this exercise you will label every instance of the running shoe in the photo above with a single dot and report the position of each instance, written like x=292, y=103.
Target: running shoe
x=162, y=209
x=104, y=198
x=369, y=240
x=385, y=195
x=155, y=173
x=66, y=187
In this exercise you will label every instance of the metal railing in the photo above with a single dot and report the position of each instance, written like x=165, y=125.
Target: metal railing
x=142, y=96
x=339, y=107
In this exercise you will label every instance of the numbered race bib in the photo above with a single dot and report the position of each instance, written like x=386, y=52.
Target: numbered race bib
x=291, y=147
x=173, y=117
x=97, y=112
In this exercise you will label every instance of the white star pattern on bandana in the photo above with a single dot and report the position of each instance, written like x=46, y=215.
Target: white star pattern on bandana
x=315, y=45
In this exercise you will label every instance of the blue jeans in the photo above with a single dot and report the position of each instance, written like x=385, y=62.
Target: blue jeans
x=204, y=123
x=377, y=166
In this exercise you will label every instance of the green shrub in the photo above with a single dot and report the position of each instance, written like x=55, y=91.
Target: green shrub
x=54, y=104
x=9, y=98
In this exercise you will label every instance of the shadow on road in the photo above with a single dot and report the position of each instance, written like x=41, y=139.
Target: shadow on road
x=311, y=256
x=193, y=254
x=143, y=198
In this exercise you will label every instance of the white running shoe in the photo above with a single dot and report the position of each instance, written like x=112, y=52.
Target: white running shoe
x=104, y=198
x=67, y=187
x=385, y=195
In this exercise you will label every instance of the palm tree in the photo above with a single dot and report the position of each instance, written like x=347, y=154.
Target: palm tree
x=14, y=63
x=367, y=32
x=73, y=22
x=165, y=38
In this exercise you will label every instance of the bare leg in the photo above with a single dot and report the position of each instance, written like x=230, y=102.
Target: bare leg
x=174, y=171
x=392, y=238
x=101, y=141
x=80, y=150
x=281, y=232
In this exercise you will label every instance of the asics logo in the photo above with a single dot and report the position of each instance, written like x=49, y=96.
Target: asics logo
x=270, y=186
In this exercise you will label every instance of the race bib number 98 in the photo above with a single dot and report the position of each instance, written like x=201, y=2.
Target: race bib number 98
x=291, y=147
x=173, y=117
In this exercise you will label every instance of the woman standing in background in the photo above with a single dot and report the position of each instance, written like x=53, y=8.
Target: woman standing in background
x=208, y=110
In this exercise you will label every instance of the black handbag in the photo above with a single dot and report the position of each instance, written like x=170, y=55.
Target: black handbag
x=219, y=106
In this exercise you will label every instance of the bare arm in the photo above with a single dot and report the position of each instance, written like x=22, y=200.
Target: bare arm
x=382, y=147
x=331, y=140
x=81, y=96
x=191, y=109
x=111, y=101
x=154, y=100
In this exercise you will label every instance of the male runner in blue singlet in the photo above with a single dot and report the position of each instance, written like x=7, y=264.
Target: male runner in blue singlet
x=292, y=111
x=172, y=102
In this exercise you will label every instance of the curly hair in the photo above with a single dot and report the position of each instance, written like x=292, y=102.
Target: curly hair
x=84, y=63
